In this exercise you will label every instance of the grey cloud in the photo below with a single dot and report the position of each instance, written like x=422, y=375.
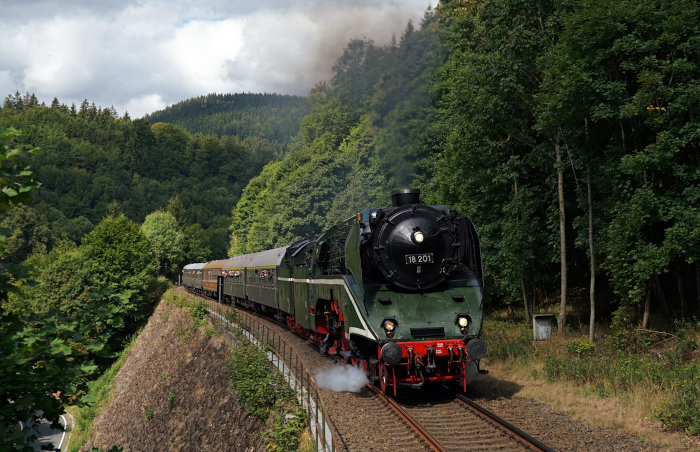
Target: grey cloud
x=127, y=53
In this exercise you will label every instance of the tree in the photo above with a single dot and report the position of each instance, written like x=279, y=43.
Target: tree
x=490, y=164
x=177, y=210
x=31, y=232
x=122, y=267
x=167, y=242
x=196, y=248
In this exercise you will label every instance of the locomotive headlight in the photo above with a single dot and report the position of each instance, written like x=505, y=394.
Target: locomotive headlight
x=418, y=237
x=462, y=321
x=389, y=325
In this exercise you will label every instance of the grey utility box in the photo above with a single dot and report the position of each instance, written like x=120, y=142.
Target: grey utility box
x=542, y=326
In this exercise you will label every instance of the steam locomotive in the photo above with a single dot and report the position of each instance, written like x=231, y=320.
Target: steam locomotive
x=396, y=290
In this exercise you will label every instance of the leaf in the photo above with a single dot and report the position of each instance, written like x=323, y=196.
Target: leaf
x=10, y=192
x=89, y=368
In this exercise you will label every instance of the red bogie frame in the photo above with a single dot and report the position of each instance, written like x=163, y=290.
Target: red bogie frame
x=425, y=361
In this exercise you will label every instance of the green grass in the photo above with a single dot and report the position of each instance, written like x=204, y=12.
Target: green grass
x=196, y=308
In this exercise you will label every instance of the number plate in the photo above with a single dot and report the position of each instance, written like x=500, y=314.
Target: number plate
x=418, y=259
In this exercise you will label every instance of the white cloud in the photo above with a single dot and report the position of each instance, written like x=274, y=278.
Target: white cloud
x=137, y=107
x=141, y=56
x=201, y=51
x=55, y=57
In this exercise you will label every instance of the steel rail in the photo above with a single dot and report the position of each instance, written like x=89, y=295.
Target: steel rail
x=504, y=425
x=433, y=443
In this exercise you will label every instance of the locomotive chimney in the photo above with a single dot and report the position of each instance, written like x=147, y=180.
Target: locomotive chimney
x=404, y=196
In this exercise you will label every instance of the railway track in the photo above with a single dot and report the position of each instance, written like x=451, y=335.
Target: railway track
x=455, y=423
x=523, y=438
x=423, y=434
x=444, y=427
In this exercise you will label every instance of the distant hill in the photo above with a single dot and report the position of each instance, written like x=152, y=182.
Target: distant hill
x=272, y=116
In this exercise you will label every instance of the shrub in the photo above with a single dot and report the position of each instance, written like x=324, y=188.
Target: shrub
x=682, y=411
x=283, y=432
x=257, y=388
x=580, y=347
x=507, y=341
x=172, y=398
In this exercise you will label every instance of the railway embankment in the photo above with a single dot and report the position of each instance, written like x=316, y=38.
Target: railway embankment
x=173, y=392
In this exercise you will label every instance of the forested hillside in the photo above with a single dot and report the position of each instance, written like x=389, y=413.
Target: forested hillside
x=270, y=116
x=567, y=131
x=93, y=163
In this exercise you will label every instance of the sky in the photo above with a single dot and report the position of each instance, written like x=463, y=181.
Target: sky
x=142, y=55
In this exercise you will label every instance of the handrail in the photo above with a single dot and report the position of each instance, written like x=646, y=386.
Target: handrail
x=288, y=361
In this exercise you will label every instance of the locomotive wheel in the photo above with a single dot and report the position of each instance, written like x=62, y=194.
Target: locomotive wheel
x=383, y=378
x=387, y=379
x=464, y=377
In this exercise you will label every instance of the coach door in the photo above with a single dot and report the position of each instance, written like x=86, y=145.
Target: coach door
x=220, y=288
x=302, y=262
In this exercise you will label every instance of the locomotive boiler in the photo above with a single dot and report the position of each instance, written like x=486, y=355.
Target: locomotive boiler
x=396, y=290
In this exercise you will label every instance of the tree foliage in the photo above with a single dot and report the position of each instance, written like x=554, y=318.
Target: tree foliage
x=167, y=242
x=352, y=147
x=611, y=84
x=37, y=352
x=271, y=116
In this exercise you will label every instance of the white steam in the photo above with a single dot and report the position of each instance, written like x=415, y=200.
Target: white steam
x=341, y=378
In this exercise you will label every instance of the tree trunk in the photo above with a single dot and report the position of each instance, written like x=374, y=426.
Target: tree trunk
x=681, y=291
x=522, y=282
x=527, y=308
x=561, y=321
x=591, y=249
x=663, y=304
x=540, y=297
x=697, y=286
x=511, y=313
x=647, y=308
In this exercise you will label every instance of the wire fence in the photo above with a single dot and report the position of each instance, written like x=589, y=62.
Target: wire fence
x=285, y=358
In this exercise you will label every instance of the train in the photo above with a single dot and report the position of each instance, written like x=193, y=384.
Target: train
x=397, y=291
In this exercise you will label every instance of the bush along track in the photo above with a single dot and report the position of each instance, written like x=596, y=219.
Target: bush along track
x=266, y=395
